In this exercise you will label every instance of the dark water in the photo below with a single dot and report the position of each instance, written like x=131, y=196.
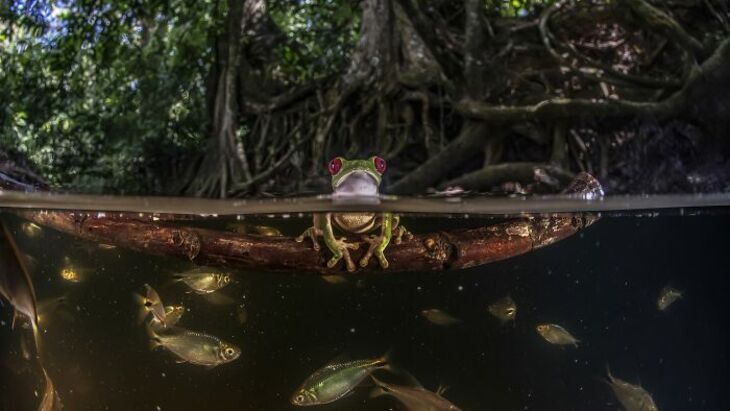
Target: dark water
x=601, y=284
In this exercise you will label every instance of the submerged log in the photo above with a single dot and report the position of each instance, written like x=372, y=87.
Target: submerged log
x=447, y=250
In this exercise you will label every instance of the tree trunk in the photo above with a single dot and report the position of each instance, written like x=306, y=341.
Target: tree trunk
x=224, y=160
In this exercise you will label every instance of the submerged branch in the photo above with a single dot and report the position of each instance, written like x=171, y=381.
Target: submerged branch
x=425, y=252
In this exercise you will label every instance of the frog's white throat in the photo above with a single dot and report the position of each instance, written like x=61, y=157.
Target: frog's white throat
x=357, y=183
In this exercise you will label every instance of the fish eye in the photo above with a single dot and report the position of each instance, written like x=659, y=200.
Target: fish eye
x=229, y=351
x=299, y=399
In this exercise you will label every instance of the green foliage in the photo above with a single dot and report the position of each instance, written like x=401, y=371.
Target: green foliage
x=91, y=88
x=519, y=8
x=320, y=36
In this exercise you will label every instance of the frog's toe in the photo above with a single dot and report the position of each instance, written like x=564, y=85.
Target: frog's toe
x=333, y=262
x=350, y=265
x=365, y=261
x=382, y=260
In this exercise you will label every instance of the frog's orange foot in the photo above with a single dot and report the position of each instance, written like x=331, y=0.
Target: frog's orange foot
x=374, y=244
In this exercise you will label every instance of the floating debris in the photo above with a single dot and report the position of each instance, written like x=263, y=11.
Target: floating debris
x=242, y=314
x=335, y=279
x=70, y=274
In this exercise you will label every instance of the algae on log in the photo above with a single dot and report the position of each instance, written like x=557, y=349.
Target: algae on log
x=447, y=250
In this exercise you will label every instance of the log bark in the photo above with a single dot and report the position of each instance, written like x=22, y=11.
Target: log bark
x=437, y=251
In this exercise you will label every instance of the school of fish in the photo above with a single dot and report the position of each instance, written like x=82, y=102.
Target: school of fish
x=335, y=380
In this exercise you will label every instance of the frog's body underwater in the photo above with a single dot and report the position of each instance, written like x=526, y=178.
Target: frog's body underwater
x=351, y=178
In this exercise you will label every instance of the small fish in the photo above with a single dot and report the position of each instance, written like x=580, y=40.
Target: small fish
x=203, y=280
x=194, y=347
x=150, y=303
x=173, y=313
x=50, y=400
x=439, y=317
x=31, y=230
x=334, y=279
x=106, y=246
x=503, y=309
x=238, y=227
x=15, y=283
x=555, y=334
x=266, y=231
x=415, y=398
x=632, y=397
x=335, y=380
x=262, y=230
x=667, y=297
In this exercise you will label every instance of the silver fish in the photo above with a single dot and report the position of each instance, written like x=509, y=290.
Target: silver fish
x=414, y=398
x=335, y=380
x=150, y=303
x=555, y=334
x=632, y=397
x=438, y=317
x=173, y=313
x=15, y=283
x=503, y=309
x=204, y=280
x=194, y=347
x=667, y=297
x=31, y=229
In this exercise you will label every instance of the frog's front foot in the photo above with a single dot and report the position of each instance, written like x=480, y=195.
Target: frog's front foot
x=400, y=233
x=341, y=249
x=377, y=244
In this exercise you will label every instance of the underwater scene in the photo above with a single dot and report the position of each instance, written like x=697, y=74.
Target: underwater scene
x=627, y=313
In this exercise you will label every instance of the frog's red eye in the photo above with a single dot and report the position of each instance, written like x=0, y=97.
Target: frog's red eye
x=335, y=165
x=379, y=164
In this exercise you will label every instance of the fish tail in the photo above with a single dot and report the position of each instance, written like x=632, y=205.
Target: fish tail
x=385, y=360
x=154, y=338
x=378, y=391
x=36, y=338
x=608, y=372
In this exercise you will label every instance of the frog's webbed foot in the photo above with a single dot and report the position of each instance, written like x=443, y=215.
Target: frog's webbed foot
x=377, y=244
x=401, y=231
x=311, y=232
x=341, y=249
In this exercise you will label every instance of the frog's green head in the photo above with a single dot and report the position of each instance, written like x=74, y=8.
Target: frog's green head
x=356, y=177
